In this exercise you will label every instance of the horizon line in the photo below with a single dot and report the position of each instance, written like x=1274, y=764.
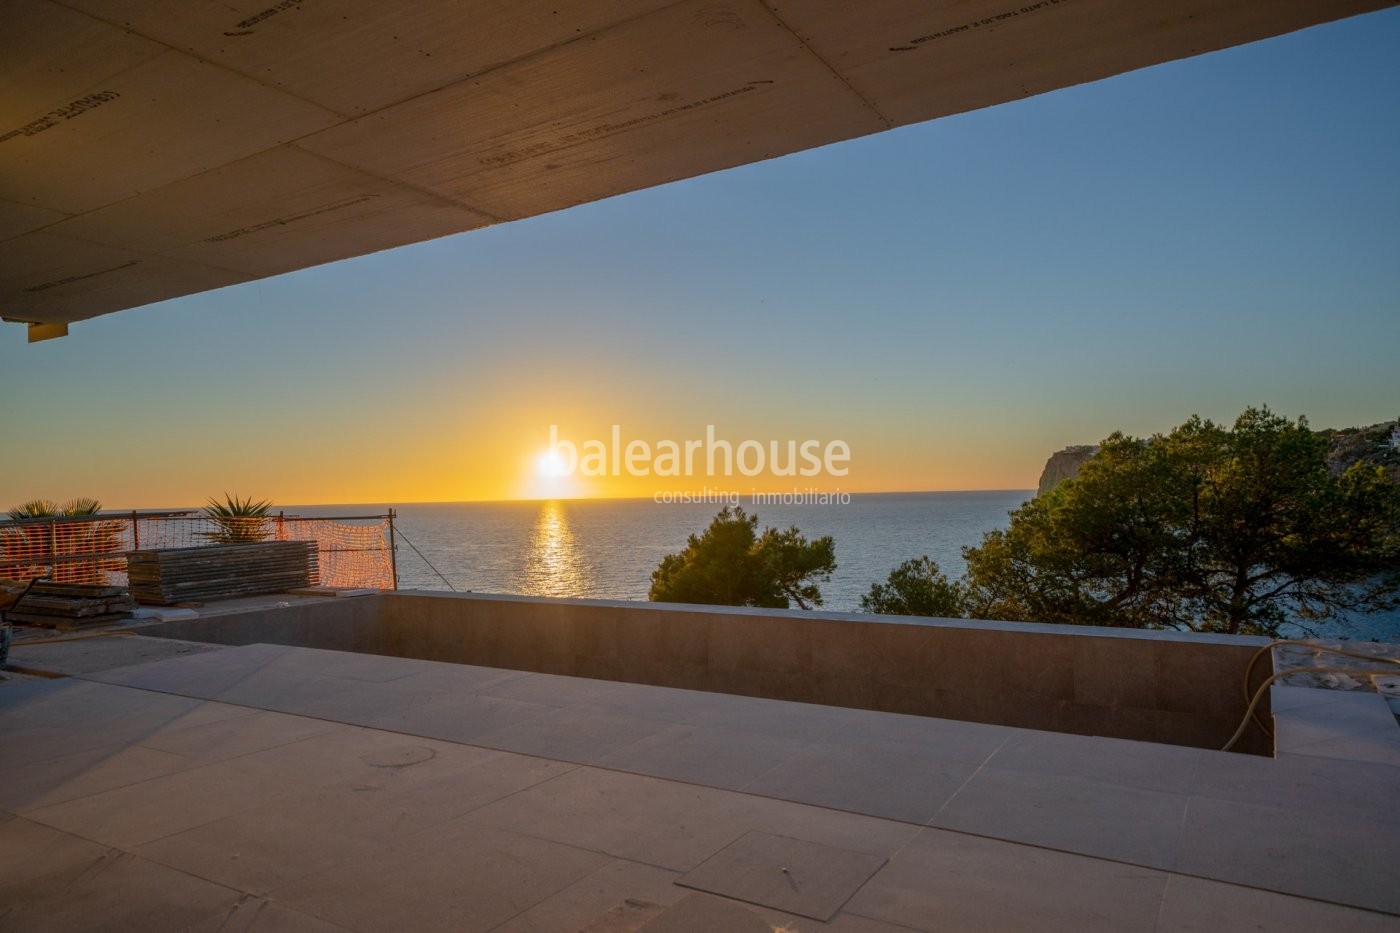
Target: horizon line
x=395, y=504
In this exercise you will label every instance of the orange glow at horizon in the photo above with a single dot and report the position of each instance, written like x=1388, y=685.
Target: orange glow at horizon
x=499, y=453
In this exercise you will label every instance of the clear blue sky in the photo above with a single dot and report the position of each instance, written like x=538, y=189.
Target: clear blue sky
x=954, y=300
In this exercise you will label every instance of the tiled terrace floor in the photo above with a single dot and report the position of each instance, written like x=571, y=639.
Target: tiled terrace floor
x=268, y=788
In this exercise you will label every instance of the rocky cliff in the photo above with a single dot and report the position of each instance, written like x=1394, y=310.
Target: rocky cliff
x=1063, y=465
x=1377, y=444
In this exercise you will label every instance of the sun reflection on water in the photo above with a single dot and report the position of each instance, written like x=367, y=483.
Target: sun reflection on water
x=555, y=565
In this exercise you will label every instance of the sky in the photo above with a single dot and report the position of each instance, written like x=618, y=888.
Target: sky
x=951, y=301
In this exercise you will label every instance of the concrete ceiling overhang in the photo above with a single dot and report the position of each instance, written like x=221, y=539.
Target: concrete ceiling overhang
x=157, y=148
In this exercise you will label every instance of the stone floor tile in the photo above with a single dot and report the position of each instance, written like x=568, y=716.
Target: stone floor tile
x=1345, y=711
x=949, y=739
x=1145, y=765
x=1284, y=698
x=1369, y=747
x=55, y=780
x=701, y=913
x=627, y=816
x=259, y=915
x=1195, y=905
x=1316, y=850
x=458, y=679
x=670, y=704
x=55, y=724
x=848, y=923
x=346, y=665
x=709, y=755
x=560, y=690
x=138, y=813
x=356, y=757
x=332, y=698
x=35, y=859
x=582, y=736
x=1110, y=821
x=788, y=874
x=824, y=826
x=265, y=848
x=895, y=780
x=626, y=917
x=120, y=893
x=783, y=719
x=233, y=736
x=951, y=881
x=202, y=675
x=1361, y=789
x=458, y=877
x=588, y=901
x=456, y=718
x=392, y=811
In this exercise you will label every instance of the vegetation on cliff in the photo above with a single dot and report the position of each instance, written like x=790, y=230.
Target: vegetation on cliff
x=732, y=564
x=1206, y=528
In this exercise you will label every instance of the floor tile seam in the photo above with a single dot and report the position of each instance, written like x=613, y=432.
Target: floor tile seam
x=1380, y=732
x=1185, y=873
x=605, y=853
x=32, y=815
x=193, y=765
x=112, y=853
x=975, y=771
x=791, y=913
x=1181, y=830
x=1387, y=737
x=1349, y=758
x=1370, y=819
x=1162, y=903
x=1345, y=905
x=767, y=771
x=600, y=868
x=889, y=923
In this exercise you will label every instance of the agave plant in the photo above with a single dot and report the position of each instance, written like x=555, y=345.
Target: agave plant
x=30, y=546
x=46, y=508
x=237, y=521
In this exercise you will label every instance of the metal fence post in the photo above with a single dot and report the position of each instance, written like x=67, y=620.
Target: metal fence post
x=393, y=552
x=135, y=531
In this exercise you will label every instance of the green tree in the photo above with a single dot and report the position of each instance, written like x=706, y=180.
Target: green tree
x=732, y=564
x=916, y=587
x=1205, y=529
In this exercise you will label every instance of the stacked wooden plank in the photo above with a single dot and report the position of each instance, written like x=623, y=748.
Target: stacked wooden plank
x=70, y=605
x=220, y=571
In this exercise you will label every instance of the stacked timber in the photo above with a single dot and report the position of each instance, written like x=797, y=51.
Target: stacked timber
x=70, y=605
x=220, y=571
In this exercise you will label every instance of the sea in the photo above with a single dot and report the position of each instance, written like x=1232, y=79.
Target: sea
x=608, y=548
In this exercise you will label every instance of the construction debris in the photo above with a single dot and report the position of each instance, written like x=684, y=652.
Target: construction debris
x=221, y=571
x=68, y=605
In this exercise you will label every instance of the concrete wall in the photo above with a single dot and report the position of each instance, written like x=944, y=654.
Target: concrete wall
x=1151, y=686
x=352, y=624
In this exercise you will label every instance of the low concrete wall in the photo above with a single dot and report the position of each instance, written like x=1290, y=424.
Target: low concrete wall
x=350, y=624
x=1153, y=686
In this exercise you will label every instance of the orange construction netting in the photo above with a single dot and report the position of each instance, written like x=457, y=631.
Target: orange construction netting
x=352, y=553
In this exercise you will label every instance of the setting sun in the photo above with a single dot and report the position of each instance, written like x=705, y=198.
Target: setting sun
x=551, y=464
